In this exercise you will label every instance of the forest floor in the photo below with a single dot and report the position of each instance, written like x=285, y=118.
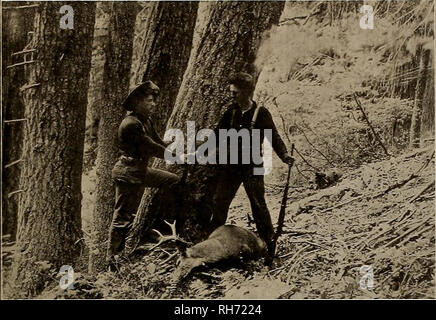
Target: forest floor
x=381, y=215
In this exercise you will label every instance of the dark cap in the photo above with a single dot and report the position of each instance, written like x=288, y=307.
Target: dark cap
x=242, y=80
x=143, y=89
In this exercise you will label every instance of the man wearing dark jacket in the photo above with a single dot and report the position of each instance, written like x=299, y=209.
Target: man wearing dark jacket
x=138, y=142
x=243, y=113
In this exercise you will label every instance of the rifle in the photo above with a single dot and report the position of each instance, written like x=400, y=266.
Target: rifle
x=281, y=219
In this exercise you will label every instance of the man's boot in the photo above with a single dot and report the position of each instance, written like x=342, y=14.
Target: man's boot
x=115, y=262
x=271, y=250
x=116, y=243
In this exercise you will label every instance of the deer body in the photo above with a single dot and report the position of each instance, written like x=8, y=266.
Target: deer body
x=225, y=242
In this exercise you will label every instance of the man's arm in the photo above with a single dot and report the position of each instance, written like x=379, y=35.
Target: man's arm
x=155, y=136
x=277, y=143
x=223, y=123
x=147, y=146
x=152, y=148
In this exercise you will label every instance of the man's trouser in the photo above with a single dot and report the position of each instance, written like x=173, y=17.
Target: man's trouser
x=127, y=199
x=229, y=182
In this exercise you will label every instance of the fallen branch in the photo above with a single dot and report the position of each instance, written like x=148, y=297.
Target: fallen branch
x=308, y=242
x=164, y=270
x=426, y=163
x=365, y=242
x=13, y=163
x=23, y=52
x=210, y=275
x=316, y=10
x=14, y=192
x=359, y=105
x=291, y=20
x=395, y=186
x=416, y=234
x=15, y=120
x=298, y=232
x=29, y=86
x=21, y=7
x=430, y=196
x=403, y=182
x=288, y=278
x=406, y=233
x=401, y=217
x=428, y=186
x=293, y=257
x=20, y=64
x=341, y=204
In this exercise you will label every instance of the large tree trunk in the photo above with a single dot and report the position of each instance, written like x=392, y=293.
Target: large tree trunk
x=49, y=225
x=415, y=127
x=161, y=51
x=116, y=42
x=228, y=43
x=16, y=24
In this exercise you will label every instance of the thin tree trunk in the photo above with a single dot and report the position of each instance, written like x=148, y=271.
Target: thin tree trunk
x=161, y=51
x=49, y=225
x=16, y=24
x=228, y=43
x=117, y=52
x=96, y=86
x=428, y=116
x=415, y=127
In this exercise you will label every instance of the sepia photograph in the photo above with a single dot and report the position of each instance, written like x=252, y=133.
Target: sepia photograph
x=218, y=151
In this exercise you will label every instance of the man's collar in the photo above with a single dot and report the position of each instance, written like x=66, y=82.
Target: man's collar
x=140, y=117
x=237, y=106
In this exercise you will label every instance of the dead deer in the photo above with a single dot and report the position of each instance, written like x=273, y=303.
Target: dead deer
x=225, y=242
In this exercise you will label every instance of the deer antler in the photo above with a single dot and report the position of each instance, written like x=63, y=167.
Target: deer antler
x=173, y=236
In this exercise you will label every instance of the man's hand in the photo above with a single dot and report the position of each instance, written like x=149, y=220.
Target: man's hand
x=288, y=159
x=184, y=157
x=167, y=143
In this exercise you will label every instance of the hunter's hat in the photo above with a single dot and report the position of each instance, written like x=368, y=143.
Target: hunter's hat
x=143, y=89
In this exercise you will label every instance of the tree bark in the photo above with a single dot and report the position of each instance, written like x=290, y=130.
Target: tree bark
x=161, y=51
x=96, y=87
x=117, y=54
x=428, y=117
x=49, y=225
x=16, y=24
x=415, y=127
x=228, y=43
